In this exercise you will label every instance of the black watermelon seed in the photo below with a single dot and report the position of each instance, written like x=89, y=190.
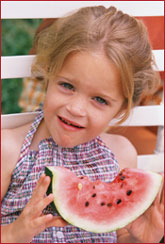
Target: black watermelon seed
x=94, y=195
x=122, y=177
x=102, y=203
x=109, y=205
x=118, y=201
x=82, y=177
x=86, y=204
x=129, y=192
x=93, y=187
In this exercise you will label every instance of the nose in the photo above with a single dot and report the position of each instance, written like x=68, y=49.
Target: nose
x=77, y=106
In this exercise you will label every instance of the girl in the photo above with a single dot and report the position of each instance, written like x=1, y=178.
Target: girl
x=96, y=63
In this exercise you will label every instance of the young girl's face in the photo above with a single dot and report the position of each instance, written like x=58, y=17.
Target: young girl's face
x=82, y=99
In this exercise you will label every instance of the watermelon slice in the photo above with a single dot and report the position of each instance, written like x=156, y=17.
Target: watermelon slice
x=98, y=206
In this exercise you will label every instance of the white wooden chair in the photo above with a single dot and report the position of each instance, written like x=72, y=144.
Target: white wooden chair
x=19, y=66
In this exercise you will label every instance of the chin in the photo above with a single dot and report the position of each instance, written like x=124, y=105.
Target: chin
x=66, y=142
x=67, y=145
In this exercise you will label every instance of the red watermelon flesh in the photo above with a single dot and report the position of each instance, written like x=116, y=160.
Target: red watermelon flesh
x=99, y=206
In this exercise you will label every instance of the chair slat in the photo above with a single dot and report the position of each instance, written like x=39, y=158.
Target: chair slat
x=159, y=59
x=145, y=116
x=19, y=66
x=52, y=9
x=140, y=116
x=9, y=121
x=16, y=66
x=153, y=162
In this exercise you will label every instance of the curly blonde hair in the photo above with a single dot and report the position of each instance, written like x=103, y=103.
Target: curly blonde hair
x=123, y=39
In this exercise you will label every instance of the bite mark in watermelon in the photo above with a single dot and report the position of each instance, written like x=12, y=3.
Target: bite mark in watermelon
x=99, y=206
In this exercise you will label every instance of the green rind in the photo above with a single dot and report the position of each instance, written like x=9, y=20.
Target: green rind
x=49, y=173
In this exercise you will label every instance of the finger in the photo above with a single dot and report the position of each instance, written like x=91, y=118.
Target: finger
x=56, y=221
x=42, y=186
x=38, y=194
x=162, y=193
x=42, y=204
x=160, y=196
x=40, y=224
x=41, y=179
x=46, y=221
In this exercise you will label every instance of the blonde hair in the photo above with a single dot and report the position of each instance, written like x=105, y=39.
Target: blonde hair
x=123, y=39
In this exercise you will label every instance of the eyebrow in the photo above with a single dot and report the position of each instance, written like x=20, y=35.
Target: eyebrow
x=109, y=97
x=68, y=79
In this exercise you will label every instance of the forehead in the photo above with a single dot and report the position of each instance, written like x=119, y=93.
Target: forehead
x=92, y=69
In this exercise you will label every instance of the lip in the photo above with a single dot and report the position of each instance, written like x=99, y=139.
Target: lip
x=69, y=127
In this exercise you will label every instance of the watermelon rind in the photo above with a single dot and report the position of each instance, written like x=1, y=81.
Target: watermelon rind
x=49, y=173
x=56, y=180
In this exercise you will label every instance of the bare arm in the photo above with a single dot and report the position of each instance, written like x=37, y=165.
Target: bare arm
x=8, y=160
x=123, y=150
x=31, y=221
x=11, y=143
x=147, y=228
x=123, y=236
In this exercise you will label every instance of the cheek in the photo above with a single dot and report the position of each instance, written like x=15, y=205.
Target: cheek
x=100, y=121
x=52, y=100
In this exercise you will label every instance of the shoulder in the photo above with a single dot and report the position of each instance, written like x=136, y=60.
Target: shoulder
x=8, y=140
x=123, y=149
x=11, y=143
x=13, y=138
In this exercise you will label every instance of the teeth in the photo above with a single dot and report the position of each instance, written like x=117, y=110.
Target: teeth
x=66, y=122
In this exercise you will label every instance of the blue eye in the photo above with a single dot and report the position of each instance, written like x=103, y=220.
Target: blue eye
x=100, y=100
x=67, y=85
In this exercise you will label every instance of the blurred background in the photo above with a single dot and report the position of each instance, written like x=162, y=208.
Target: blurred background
x=16, y=39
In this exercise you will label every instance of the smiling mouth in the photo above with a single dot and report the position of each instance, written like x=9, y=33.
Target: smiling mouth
x=67, y=122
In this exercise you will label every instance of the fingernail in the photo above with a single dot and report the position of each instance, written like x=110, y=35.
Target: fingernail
x=42, y=175
x=51, y=196
x=47, y=178
x=49, y=216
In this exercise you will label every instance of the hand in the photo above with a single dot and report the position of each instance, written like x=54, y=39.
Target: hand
x=32, y=221
x=149, y=227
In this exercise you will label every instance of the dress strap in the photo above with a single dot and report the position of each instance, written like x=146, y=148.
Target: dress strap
x=30, y=134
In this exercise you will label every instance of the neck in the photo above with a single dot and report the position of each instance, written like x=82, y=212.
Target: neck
x=41, y=133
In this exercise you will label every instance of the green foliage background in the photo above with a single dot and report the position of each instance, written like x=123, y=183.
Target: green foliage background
x=16, y=39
